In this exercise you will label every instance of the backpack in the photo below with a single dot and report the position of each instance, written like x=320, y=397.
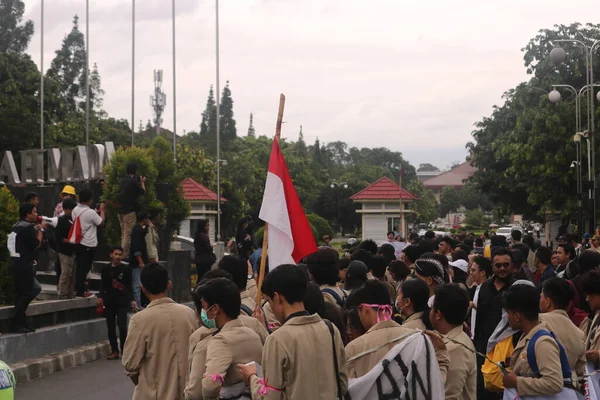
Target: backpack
x=76, y=233
x=246, y=309
x=492, y=376
x=340, y=301
x=564, y=361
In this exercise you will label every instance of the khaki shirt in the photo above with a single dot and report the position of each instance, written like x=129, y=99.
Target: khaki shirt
x=258, y=327
x=197, y=359
x=592, y=340
x=274, y=324
x=248, y=301
x=156, y=349
x=298, y=360
x=461, y=383
x=252, y=288
x=569, y=336
x=380, y=334
x=548, y=360
x=414, y=321
x=329, y=298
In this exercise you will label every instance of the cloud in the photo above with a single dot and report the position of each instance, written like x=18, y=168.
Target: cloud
x=410, y=76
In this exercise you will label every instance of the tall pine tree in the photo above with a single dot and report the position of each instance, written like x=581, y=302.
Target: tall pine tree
x=301, y=144
x=68, y=68
x=228, y=129
x=14, y=36
x=251, y=131
x=208, y=126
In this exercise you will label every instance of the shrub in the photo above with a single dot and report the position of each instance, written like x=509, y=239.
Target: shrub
x=322, y=226
x=9, y=215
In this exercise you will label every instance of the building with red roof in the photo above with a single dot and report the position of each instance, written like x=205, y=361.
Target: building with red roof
x=456, y=177
x=203, y=203
x=380, y=209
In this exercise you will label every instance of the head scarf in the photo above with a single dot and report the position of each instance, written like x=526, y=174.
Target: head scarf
x=430, y=268
x=503, y=329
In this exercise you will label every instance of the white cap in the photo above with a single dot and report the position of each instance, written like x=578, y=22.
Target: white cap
x=460, y=264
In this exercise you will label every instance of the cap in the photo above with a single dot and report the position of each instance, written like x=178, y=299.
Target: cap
x=68, y=189
x=357, y=269
x=596, y=237
x=326, y=237
x=460, y=264
x=587, y=236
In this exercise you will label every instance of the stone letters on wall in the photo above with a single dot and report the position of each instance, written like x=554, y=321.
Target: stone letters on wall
x=70, y=164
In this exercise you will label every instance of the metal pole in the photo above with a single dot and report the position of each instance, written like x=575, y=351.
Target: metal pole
x=592, y=134
x=174, y=93
x=132, y=69
x=42, y=79
x=218, y=99
x=87, y=72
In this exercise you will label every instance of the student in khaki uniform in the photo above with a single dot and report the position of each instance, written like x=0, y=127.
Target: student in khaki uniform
x=555, y=298
x=447, y=317
x=156, y=349
x=412, y=299
x=374, y=310
x=238, y=269
x=232, y=343
x=324, y=269
x=521, y=303
x=591, y=288
x=304, y=358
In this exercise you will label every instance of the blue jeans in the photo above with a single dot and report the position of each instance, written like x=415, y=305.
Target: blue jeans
x=136, y=283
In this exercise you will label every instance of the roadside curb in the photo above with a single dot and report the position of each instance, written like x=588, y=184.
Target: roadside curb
x=39, y=367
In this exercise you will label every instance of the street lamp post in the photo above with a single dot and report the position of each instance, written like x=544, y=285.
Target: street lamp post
x=339, y=185
x=557, y=55
x=219, y=163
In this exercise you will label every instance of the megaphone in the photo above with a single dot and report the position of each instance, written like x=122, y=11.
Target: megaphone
x=50, y=221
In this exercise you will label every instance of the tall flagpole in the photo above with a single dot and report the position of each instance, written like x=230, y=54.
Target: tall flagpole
x=218, y=98
x=132, y=69
x=87, y=72
x=42, y=79
x=174, y=92
x=401, y=227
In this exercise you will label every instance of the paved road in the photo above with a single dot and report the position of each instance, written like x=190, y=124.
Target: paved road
x=98, y=380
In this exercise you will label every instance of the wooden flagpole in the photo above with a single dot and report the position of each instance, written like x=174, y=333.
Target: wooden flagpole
x=265, y=247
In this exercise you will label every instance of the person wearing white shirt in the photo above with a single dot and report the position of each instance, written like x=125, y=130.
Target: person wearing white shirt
x=90, y=220
x=481, y=270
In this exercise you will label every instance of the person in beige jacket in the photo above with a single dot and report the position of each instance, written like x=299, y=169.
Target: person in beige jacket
x=324, y=268
x=156, y=349
x=591, y=288
x=447, y=316
x=372, y=301
x=556, y=296
x=216, y=375
x=521, y=303
x=238, y=269
x=304, y=358
x=411, y=301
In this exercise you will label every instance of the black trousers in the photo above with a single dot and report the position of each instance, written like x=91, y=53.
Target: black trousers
x=25, y=291
x=84, y=258
x=120, y=314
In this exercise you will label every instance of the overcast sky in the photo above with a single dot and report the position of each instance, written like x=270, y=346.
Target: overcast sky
x=410, y=76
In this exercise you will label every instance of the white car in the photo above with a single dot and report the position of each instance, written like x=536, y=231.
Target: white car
x=504, y=231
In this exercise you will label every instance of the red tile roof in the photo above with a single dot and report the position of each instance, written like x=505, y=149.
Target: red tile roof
x=455, y=177
x=383, y=189
x=193, y=191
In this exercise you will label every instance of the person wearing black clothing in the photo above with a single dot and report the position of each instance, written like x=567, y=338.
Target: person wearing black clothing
x=131, y=188
x=66, y=251
x=138, y=256
x=116, y=295
x=22, y=244
x=489, y=310
x=243, y=238
x=205, y=257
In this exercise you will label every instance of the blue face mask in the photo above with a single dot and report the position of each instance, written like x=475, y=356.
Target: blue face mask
x=209, y=323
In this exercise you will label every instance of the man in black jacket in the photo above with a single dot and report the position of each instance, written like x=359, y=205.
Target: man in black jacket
x=116, y=295
x=489, y=309
x=22, y=244
x=131, y=188
x=138, y=256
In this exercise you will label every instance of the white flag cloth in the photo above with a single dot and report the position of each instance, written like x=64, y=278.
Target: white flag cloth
x=592, y=387
x=408, y=371
x=565, y=394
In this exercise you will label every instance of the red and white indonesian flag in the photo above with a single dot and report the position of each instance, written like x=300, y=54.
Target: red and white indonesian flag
x=290, y=237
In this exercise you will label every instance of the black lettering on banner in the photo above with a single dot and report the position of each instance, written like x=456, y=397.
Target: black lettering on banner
x=404, y=370
x=395, y=393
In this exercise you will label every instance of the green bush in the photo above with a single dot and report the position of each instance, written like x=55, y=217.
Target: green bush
x=9, y=215
x=322, y=226
x=114, y=171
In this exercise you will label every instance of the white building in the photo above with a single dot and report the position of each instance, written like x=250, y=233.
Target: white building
x=380, y=209
x=203, y=202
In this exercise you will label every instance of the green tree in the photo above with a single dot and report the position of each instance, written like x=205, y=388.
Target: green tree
x=14, y=34
x=475, y=219
x=301, y=148
x=68, y=68
x=426, y=167
x=9, y=215
x=208, y=126
x=228, y=129
x=449, y=200
x=251, y=131
x=321, y=225
x=96, y=90
x=425, y=207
